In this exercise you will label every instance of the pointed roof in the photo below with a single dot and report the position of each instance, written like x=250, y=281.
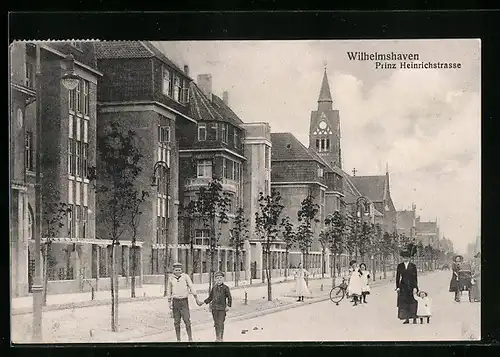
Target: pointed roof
x=324, y=93
x=373, y=187
x=286, y=147
x=203, y=109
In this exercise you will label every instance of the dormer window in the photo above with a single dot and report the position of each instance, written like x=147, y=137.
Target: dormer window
x=177, y=88
x=202, y=132
x=166, y=87
x=77, y=45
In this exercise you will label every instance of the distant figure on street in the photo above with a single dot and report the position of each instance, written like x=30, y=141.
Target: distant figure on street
x=220, y=301
x=178, y=289
x=301, y=288
x=454, y=282
x=476, y=286
x=406, y=287
x=365, y=281
x=424, y=306
x=354, y=289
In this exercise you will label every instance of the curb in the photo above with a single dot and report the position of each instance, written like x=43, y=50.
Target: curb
x=92, y=303
x=251, y=315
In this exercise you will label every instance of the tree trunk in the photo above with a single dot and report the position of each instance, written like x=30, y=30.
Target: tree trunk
x=334, y=269
x=268, y=276
x=191, y=249
x=384, y=266
x=237, y=267
x=374, y=268
x=323, y=263
x=286, y=263
x=134, y=268
x=46, y=254
x=113, y=289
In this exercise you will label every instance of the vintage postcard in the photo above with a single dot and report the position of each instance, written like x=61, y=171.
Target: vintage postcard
x=251, y=191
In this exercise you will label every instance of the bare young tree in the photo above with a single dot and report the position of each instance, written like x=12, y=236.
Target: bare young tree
x=239, y=234
x=289, y=237
x=266, y=224
x=137, y=200
x=306, y=217
x=54, y=215
x=118, y=171
x=335, y=238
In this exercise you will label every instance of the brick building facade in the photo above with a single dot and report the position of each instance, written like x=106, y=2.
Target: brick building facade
x=147, y=93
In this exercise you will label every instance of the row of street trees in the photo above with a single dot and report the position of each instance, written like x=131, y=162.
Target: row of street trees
x=120, y=202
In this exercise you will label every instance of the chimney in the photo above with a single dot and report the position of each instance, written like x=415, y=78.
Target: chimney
x=205, y=84
x=186, y=69
x=225, y=97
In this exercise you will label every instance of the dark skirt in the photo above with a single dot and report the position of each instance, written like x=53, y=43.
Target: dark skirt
x=407, y=305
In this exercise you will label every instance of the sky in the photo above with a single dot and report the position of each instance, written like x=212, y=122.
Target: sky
x=423, y=123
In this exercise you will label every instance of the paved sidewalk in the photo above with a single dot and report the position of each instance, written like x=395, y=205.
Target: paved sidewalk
x=24, y=305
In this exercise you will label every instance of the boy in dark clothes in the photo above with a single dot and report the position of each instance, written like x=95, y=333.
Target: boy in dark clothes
x=219, y=294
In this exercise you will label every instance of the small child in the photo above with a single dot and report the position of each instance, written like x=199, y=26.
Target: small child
x=217, y=300
x=365, y=282
x=424, y=306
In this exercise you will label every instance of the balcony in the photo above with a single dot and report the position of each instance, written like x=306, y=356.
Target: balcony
x=193, y=184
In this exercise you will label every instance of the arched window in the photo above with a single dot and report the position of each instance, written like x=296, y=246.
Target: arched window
x=30, y=223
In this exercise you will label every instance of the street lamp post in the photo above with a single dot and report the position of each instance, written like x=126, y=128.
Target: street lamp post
x=154, y=183
x=70, y=80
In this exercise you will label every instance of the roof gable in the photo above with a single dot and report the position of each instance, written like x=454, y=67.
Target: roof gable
x=132, y=49
x=373, y=187
x=286, y=147
x=203, y=109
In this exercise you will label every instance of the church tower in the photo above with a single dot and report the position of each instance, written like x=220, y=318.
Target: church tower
x=324, y=128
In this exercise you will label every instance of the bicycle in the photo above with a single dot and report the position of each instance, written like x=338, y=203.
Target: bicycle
x=338, y=292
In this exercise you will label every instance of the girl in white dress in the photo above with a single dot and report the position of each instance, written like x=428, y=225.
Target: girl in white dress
x=424, y=306
x=365, y=281
x=355, y=284
x=300, y=282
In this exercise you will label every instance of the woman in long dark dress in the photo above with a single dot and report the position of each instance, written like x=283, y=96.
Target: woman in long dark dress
x=455, y=268
x=406, y=286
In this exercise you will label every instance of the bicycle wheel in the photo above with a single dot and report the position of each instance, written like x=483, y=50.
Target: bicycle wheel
x=337, y=294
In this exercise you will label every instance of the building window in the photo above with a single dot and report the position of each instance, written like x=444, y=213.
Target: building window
x=78, y=158
x=77, y=220
x=204, y=168
x=224, y=167
x=166, y=82
x=202, y=237
x=85, y=158
x=85, y=131
x=185, y=93
x=70, y=192
x=29, y=80
x=85, y=194
x=327, y=144
x=177, y=88
x=320, y=172
x=212, y=131
x=202, y=132
x=86, y=98
x=78, y=128
x=29, y=151
x=236, y=138
x=30, y=223
x=224, y=133
x=20, y=118
x=70, y=223
x=85, y=220
x=236, y=171
x=78, y=99
x=72, y=100
x=70, y=127
x=317, y=144
x=71, y=161
x=163, y=134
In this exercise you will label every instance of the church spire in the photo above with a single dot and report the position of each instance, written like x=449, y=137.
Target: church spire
x=324, y=93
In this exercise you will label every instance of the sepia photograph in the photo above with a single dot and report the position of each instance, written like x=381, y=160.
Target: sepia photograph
x=245, y=191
